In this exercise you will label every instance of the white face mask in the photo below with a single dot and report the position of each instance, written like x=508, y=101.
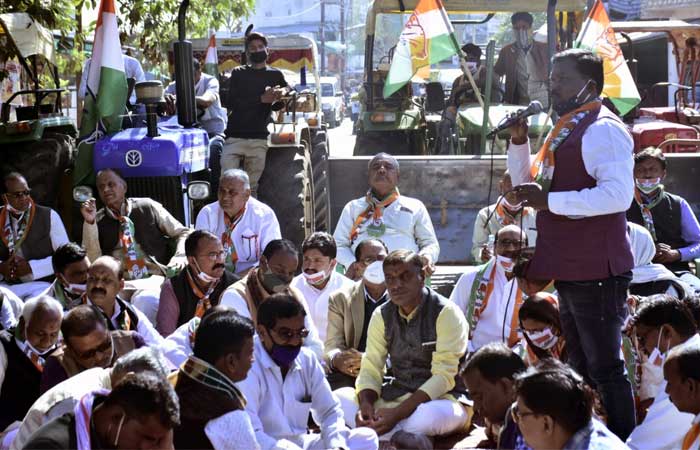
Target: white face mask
x=203, y=277
x=510, y=206
x=544, y=339
x=314, y=279
x=374, y=273
x=653, y=371
x=471, y=65
x=647, y=185
x=73, y=288
x=34, y=349
x=505, y=262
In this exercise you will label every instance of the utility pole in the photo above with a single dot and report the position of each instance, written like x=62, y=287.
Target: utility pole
x=345, y=48
x=322, y=33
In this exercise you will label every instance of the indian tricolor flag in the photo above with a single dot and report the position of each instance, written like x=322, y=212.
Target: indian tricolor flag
x=598, y=36
x=211, y=61
x=105, y=99
x=427, y=38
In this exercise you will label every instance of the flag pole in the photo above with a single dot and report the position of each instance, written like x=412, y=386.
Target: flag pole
x=587, y=23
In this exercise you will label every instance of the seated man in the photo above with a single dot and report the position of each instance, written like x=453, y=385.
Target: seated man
x=349, y=311
x=124, y=229
x=681, y=374
x=425, y=337
x=70, y=265
x=30, y=234
x=87, y=343
x=366, y=252
x=23, y=353
x=211, y=406
x=506, y=211
x=400, y=222
x=319, y=279
x=484, y=293
x=286, y=382
x=63, y=397
x=659, y=324
x=140, y=412
x=668, y=217
x=105, y=280
x=489, y=375
x=213, y=116
x=244, y=224
x=278, y=263
x=554, y=410
x=196, y=288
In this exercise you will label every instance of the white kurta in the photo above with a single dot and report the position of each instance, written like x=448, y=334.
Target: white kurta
x=178, y=346
x=408, y=226
x=318, y=299
x=144, y=327
x=257, y=228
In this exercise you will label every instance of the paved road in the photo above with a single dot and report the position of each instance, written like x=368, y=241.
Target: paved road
x=341, y=139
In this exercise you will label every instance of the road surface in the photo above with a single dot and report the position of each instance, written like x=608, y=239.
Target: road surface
x=341, y=140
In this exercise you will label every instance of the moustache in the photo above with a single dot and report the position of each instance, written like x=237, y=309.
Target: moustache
x=98, y=291
x=218, y=266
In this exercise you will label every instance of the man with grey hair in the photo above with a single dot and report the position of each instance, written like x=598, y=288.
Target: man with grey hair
x=63, y=397
x=244, y=224
x=23, y=352
x=398, y=221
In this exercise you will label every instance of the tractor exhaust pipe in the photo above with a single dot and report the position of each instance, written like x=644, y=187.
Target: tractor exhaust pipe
x=184, y=73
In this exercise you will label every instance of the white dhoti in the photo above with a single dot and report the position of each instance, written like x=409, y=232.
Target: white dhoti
x=27, y=290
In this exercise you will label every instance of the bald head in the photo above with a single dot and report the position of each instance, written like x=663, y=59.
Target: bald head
x=509, y=241
x=41, y=305
x=383, y=171
x=109, y=263
x=41, y=322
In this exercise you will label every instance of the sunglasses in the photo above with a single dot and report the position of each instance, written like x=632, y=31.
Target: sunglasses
x=102, y=348
x=19, y=194
x=288, y=334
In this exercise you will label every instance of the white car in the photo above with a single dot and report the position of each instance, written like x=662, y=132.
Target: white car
x=332, y=101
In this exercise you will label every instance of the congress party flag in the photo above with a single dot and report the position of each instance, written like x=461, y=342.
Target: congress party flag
x=211, y=61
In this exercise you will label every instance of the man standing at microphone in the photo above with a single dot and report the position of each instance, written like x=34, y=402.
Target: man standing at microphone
x=581, y=183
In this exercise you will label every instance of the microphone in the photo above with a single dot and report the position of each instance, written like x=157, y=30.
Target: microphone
x=533, y=108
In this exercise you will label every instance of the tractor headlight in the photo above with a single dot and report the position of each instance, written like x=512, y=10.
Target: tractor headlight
x=198, y=190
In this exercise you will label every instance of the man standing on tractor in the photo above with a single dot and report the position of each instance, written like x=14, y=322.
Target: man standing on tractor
x=253, y=90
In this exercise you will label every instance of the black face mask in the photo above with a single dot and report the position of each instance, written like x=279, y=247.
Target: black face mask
x=571, y=103
x=258, y=57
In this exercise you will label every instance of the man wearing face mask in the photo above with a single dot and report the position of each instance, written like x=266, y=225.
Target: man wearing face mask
x=23, y=353
x=30, y=234
x=253, y=91
x=506, y=211
x=286, y=382
x=484, y=291
x=512, y=60
x=318, y=278
x=668, y=217
x=196, y=288
x=278, y=264
x=70, y=265
x=349, y=312
x=660, y=324
x=581, y=197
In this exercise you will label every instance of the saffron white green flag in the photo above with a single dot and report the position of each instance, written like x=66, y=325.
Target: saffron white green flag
x=211, y=61
x=427, y=38
x=598, y=36
x=105, y=99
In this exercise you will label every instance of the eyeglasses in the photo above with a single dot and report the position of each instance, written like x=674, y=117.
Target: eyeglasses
x=20, y=194
x=288, y=334
x=102, y=348
x=213, y=255
x=518, y=415
x=370, y=259
x=508, y=243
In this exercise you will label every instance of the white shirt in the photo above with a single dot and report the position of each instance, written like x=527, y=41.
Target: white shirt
x=482, y=229
x=178, y=347
x=59, y=400
x=42, y=267
x=214, y=118
x=279, y=408
x=132, y=68
x=318, y=299
x=607, y=155
x=312, y=341
x=408, y=226
x=232, y=431
x=257, y=228
x=145, y=328
x=11, y=308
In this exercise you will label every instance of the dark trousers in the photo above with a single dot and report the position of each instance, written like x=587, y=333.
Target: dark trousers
x=592, y=314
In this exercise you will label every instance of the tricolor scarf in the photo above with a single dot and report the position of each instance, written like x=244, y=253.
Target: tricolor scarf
x=203, y=372
x=133, y=258
x=227, y=239
x=203, y=302
x=646, y=202
x=11, y=239
x=36, y=358
x=83, y=418
x=504, y=216
x=691, y=436
x=376, y=210
x=542, y=168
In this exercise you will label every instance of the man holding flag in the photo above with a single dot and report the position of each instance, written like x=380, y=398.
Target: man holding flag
x=583, y=185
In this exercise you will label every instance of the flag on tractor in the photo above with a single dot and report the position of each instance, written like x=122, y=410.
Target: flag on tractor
x=105, y=98
x=427, y=38
x=598, y=36
x=211, y=61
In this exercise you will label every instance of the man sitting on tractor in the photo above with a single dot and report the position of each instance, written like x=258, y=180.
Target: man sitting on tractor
x=253, y=89
x=30, y=234
x=139, y=232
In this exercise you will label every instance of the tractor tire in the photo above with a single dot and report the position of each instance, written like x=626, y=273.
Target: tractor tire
x=319, y=161
x=286, y=186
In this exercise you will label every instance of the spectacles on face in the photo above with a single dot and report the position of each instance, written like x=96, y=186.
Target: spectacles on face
x=102, y=348
x=370, y=259
x=509, y=243
x=288, y=335
x=213, y=256
x=19, y=194
x=518, y=415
